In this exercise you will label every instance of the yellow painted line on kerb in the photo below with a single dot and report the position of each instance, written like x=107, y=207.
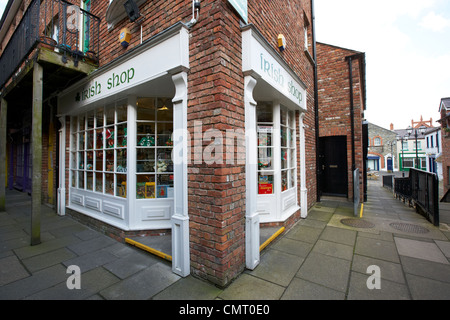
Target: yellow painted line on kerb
x=266, y=243
x=361, y=211
x=148, y=249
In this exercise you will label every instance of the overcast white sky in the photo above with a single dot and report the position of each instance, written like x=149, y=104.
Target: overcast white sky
x=407, y=46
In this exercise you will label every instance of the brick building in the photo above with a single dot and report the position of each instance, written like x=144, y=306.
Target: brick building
x=382, y=153
x=444, y=110
x=181, y=118
x=342, y=132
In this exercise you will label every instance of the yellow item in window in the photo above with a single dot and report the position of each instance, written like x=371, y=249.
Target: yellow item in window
x=150, y=190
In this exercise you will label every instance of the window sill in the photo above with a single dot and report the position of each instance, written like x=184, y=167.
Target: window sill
x=310, y=57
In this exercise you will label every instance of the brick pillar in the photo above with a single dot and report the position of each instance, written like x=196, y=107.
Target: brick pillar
x=216, y=180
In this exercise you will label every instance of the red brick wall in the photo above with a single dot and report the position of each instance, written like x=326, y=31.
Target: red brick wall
x=287, y=17
x=216, y=192
x=334, y=102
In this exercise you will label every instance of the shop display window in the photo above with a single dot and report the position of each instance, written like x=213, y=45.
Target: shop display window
x=265, y=130
x=154, y=166
x=99, y=150
x=270, y=121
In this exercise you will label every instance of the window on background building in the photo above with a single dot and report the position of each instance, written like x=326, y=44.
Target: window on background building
x=86, y=6
x=306, y=32
x=423, y=162
x=405, y=145
x=437, y=142
x=408, y=163
x=377, y=141
x=418, y=145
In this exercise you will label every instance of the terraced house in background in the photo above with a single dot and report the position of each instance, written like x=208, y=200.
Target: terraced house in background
x=191, y=119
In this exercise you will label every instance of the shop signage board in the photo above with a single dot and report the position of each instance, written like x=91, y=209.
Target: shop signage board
x=241, y=7
x=138, y=68
x=259, y=58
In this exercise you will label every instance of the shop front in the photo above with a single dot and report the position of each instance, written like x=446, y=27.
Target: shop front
x=120, y=128
x=275, y=104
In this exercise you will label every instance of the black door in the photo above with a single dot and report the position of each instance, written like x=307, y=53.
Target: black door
x=333, y=166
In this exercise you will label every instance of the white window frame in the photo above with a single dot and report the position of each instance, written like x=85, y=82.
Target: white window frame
x=281, y=204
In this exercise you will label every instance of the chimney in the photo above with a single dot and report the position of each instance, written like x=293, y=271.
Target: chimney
x=392, y=126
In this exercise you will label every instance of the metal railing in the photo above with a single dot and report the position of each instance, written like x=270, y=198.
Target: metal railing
x=22, y=42
x=388, y=181
x=65, y=27
x=425, y=193
x=70, y=29
x=420, y=188
x=402, y=188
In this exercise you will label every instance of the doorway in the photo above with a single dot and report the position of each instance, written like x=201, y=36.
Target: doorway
x=333, y=166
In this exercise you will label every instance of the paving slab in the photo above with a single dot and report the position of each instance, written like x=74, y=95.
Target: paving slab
x=325, y=270
x=130, y=264
x=374, y=248
x=11, y=270
x=388, y=270
x=359, y=290
x=300, y=289
x=35, y=283
x=425, y=268
x=339, y=235
x=427, y=289
x=91, y=260
x=91, y=282
x=278, y=267
x=142, y=285
x=48, y=259
x=334, y=249
x=298, y=248
x=304, y=233
x=189, y=288
x=420, y=250
x=444, y=246
x=248, y=287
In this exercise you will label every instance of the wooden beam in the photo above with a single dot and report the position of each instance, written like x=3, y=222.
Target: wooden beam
x=36, y=146
x=46, y=55
x=3, y=169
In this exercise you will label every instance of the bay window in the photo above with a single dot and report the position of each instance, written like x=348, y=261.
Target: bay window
x=118, y=145
x=277, y=161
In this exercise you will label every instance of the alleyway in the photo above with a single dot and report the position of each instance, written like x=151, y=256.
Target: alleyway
x=326, y=256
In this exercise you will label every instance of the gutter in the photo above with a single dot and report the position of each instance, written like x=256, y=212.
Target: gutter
x=352, y=116
x=316, y=100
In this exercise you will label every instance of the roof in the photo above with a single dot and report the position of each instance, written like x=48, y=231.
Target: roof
x=404, y=133
x=445, y=102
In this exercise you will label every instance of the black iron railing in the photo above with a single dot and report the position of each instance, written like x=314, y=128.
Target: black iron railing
x=388, y=181
x=21, y=43
x=421, y=188
x=402, y=189
x=425, y=193
x=71, y=30
x=64, y=27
